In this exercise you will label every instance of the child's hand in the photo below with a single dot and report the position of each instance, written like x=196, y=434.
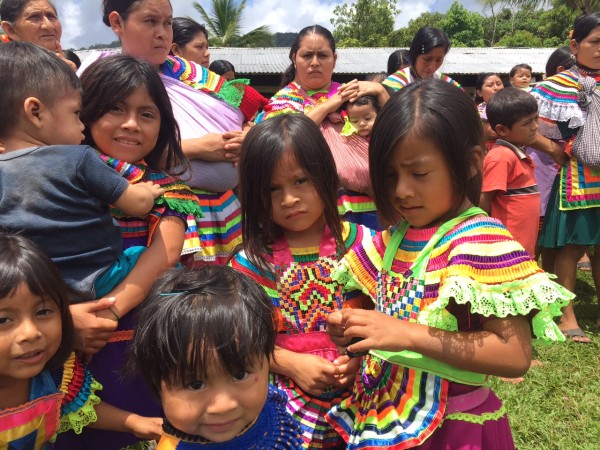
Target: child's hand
x=93, y=331
x=314, y=374
x=155, y=189
x=233, y=141
x=347, y=370
x=335, y=329
x=145, y=427
x=380, y=331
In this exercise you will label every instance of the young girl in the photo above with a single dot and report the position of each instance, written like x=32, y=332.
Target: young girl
x=360, y=116
x=203, y=345
x=520, y=76
x=453, y=291
x=129, y=121
x=486, y=86
x=44, y=388
x=293, y=238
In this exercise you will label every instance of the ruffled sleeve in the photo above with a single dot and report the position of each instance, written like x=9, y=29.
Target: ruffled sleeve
x=557, y=99
x=79, y=389
x=288, y=100
x=398, y=79
x=492, y=274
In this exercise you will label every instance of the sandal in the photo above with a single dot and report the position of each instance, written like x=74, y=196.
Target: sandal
x=577, y=335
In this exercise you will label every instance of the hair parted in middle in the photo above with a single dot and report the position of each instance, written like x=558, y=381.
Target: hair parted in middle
x=263, y=147
x=435, y=110
x=193, y=319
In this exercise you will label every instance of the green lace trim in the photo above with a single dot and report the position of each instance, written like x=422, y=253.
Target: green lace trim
x=184, y=206
x=83, y=416
x=477, y=418
x=343, y=275
x=514, y=298
x=233, y=91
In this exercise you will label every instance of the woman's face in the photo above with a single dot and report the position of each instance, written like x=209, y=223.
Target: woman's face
x=38, y=23
x=491, y=85
x=148, y=31
x=314, y=62
x=587, y=51
x=428, y=64
x=196, y=50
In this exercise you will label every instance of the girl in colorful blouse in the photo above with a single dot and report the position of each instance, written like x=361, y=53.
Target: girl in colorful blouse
x=130, y=123
x=203, y=345
x=293, y=238
x=44, y=387
x=456, y=297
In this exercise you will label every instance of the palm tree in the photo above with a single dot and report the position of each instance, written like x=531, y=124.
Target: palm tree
x=224, y=25
x=583, y=6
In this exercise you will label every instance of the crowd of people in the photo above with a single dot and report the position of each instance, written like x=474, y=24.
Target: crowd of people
x=338, y=266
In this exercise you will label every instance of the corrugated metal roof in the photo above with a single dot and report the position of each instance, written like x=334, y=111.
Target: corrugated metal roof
x=274, y=60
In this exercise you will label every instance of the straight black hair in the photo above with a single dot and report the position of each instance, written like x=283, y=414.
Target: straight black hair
x=514, y=70
x=562, y=56
x=263, y=148
x=425, y=40
x=194, y=319
x=290, y=73
x=435, y=110
x=509, y=106
x=22, y=261
x=220, y=66
x=123, y=7
x=481, y=79
x=365, y=100
x=27, y=70
x=109, y=81
x=10, y=10
x=397, y=60
x=186, y=29
x=585, y=24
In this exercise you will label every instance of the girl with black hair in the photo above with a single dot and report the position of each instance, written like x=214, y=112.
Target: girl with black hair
x=190, y=41
x=453, y=291
x=486, y=86
x=293, y=238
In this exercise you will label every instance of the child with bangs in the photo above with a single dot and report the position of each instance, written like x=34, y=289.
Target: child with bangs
x=203, y=344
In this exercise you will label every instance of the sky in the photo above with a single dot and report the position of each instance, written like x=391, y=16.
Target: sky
x=82, y=22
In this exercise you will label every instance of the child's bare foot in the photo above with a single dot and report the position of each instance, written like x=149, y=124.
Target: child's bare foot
x=512, y=380
x=535, y=363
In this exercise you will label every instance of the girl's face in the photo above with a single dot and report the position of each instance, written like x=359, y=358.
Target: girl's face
x=587, y=52
x=219, y=407
x=37, y=23
x=491, y=85
x=521, y=78
x=297, y=207
x=148, y=31
x=362, y=117
x=129, y=131
x=314, y=62
x=196, y=50
x=429, y=63
x=420, y=182
x=30, y=335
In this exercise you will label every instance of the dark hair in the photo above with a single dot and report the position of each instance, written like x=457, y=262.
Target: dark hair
x=515, y=69
x=123, y=7
x=195, y=318
x=10, y=10
x=22, y=261
x=425, y=40
x=481, y=78
x=27, y=70
x=584, y=25
x=365, y=100
x=290, y=73
x=220, y=66
x=263, y=147
x=185, y=29
x=376, y=77
x=108, y=81
x=562, y=56
x=72, y=56
x=430, y=109
x=396, y=60
x=510, y=107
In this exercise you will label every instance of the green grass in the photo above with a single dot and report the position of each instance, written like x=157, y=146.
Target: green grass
x=558, y=405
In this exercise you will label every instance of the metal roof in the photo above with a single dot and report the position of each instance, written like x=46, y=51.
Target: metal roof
x=464, y=60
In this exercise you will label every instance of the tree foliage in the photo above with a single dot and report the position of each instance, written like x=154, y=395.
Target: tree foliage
x=464, y=28
x=403, y=36
x=224, y=24
x=365, y=23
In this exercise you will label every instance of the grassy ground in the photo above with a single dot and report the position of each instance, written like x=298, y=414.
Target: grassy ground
x=558, y=405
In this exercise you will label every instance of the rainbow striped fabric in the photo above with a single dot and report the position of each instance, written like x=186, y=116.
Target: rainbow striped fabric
x=293, y=99
x=403, y=77
x=476, y=264
x=557, y=100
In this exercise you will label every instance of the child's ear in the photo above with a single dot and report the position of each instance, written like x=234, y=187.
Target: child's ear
x=32, y=108
x=477, y=162
x=502, y=130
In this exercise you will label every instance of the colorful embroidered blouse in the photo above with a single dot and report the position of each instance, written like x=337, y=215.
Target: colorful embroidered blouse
x=476, y=267
x=562, y=117
x=273, y=430
x=59, y=401
x=404, y=77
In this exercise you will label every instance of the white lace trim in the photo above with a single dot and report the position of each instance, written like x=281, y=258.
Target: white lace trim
x=561, y=112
